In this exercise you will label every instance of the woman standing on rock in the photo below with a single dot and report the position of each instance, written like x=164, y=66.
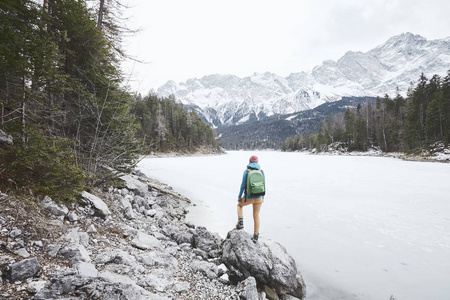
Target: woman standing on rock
x=253, y=187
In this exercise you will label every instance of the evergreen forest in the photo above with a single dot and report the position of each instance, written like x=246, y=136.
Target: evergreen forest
x=66, y=113
x=410, y=124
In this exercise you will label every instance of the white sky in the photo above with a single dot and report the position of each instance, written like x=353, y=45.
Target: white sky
x=182, y=39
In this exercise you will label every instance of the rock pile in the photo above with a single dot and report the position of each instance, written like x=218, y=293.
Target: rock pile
x=134, y=243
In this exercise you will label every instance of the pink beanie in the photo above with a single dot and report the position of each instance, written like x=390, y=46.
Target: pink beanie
x=253, y=159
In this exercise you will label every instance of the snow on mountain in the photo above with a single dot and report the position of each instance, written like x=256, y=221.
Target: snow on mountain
x=228, y=99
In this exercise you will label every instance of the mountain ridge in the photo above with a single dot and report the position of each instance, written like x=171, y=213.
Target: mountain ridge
x=224, y=99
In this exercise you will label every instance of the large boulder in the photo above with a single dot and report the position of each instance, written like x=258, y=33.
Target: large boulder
x=23, y=270
x=267, y=261
x=205, y=240
x=138, y=187
x=100, y=206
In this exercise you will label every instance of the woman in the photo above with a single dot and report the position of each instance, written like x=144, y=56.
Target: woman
x=251, y=198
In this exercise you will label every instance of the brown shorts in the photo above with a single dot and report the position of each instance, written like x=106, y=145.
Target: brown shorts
x=242, y=201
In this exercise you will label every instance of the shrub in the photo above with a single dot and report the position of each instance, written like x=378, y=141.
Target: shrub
x=46, y=165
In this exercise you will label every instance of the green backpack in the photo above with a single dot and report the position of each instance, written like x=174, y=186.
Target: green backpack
x=256, y=185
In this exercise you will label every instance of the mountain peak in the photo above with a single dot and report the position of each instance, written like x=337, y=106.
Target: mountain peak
x=227, y=99
x=405, y=39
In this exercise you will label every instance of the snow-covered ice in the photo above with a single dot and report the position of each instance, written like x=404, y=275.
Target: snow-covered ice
x=358, y=227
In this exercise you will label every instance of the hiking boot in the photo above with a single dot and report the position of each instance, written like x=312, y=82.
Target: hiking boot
x=255, y=237
x=240, y=224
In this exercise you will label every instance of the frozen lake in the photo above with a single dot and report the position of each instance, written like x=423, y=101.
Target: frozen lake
x=358, y=227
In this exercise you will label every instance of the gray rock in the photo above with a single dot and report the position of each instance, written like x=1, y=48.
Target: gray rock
x=97, y=203
x=159, y=279
x=270, y=294
x=247, y=289
x=35, y=286
x=181, y=286
x=23, y=269
x=15, y=233
x=144, y=241
x=91, y=229
x=204, y=240
x=94, y=288
x=150, y=200
x=141, y=202
x=72, y=216
x=201, y=253
x=129, y=213
x=15, y=245
x=85, y=269
x=132, y=184
x=84, y=238
x=116, y=257
x=124, y=192
x=52, y=208
x=74, y=253
x=22, y=252
x=169, y=230
x=150, y=213
x=207, y=268
x=265, y=260
x=72, y=236
x=38, y=244
x=158, y=259
x=6, y=139
x=53, y=249
x=184, y=237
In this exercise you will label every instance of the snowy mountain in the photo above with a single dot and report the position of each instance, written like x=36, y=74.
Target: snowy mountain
x=230, y=100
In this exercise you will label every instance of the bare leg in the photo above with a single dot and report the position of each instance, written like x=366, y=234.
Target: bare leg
x=256, y=209
x=240, y=211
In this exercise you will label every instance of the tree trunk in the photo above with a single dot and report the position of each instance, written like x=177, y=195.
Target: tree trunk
x=45, y=7
x=100, y=14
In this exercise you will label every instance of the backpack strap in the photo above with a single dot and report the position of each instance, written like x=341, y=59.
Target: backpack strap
x=246, y=179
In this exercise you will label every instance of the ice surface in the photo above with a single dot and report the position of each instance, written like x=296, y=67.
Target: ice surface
x=358, y=227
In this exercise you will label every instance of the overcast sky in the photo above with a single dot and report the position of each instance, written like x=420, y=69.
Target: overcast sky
x=182, y=39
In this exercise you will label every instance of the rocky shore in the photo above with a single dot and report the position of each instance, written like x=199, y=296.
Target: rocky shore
x=132, y=242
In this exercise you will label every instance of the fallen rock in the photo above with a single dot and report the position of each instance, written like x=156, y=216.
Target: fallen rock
x=207, y=268
x=72, y=216
x=74, y=253
x=22, y=252
x=159, y=279
x=85, y=269
x=52, y=208
x=93, y=288
x=247, y=289
x=144, y=241
x=204, y=240
x=91, y=229
x=15, y=233
x=181, y=286
x=270, y=294
x=158, y=259
x=97, y=203
x=129, y=213
x=35, y=286
x=267, y=261
x=134, y=185
x=23, y=270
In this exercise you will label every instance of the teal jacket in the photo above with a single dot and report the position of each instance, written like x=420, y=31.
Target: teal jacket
x=254, y=166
